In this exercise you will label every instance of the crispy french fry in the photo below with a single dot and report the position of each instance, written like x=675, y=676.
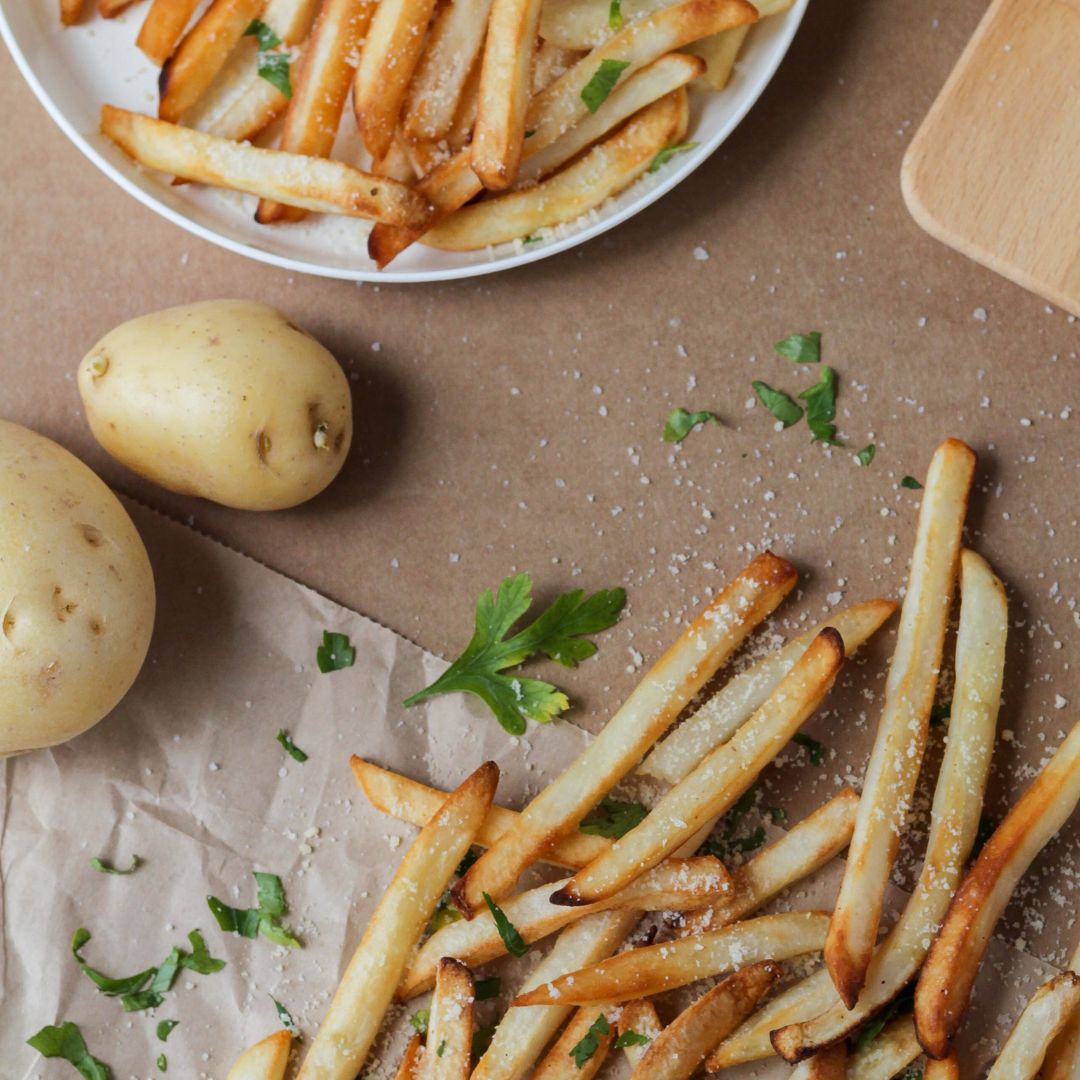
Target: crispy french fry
x=893, y=1050
x=559, y=1064
x=70, y=10
x=266, y=1060
x=718, y=781
x=805, y=999
x=1063, y=1058
x=731, y=706
x=453, y=46
x=320, y=88
x=944, y=986
x=202, y=53
x=945, y=1069
x=804, y=848
x=524, y=1032
x=312, y=183
x=680, y=1048
x=389, y=57
x=675, y=885
x=705, y=644
x=367, y=987
x=396, y=163
x=958, y=798
x=163, y=26
x=655, y=968
x=409, y=1069
x=606, y=170
x=448, y=1054
x=893, y=769
x=719, y=52
x=549, y=63
x=827, y=1064
x=638, y=1018
x=109, y=9
x=1045, y=1016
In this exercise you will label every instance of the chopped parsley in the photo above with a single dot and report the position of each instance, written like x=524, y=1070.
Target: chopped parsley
x=264, y=919
x=631, y=1038
x=272, y=66
x=590, y=1042
x=487, y=988
x=441, y=1049
x=287, y=1022
x=420, y=1020
x=66, y=1041
x=821, y=407
x=165, y=1027
x=290, y=747
x=596, y=90
x=532, y=238
x=911, y=483
x=335, y=652
x=613, y=818
x=514, y=942
x=727, y=843
x=668, y=152
x=481, y=1040
x=777, y=815
x=866, y=455
x=902, y=1003
x=108, y=868
x=680, y=423
x=263, y=34
x=813, y=748
x=558, y=633
x=614, y=15
x=801, y=348
x=162, y=1062
x=113, y=987
x=778, y=403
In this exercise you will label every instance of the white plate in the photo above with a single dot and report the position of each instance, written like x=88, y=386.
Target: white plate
x=74, y=71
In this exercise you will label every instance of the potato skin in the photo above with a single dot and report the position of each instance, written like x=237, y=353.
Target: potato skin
x=76, y=594
x=226, y=399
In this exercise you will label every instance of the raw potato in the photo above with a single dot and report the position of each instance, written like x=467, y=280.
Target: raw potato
x=76, y=594
x=226, y=399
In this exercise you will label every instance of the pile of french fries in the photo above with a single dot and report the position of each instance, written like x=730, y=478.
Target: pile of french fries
x=483, y=121
x=593, y=991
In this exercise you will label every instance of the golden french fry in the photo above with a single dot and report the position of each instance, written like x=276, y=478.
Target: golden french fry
x=550, y=62
x=731, y=706
x=70, y=10
x=893, y=1050
x=559, y=1064
x=804, y=848
x=944, y=985
x=827, y=1064
x=312, y=183
x=367, y=987
x=163, y=26
x=266, y=1060
x=1063, y=1058
x=674, y=885
x=409, y=1069
x=719, y=51
x=320, y=88
x=638, y=1018
x=409, y=800
x=958, y=798
x=202, y=53
x=659, y=698
x=945, y=1069
x=524, y=1032
x=109, y=9
x=655, y=968
x=1045, y=1015
x=893, y=769
x=448, y=1053
x=718, y=781
x=396, y=163
x=680, y=1048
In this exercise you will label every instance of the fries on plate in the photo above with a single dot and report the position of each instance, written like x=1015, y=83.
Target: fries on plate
x=891, y=1052
x=827, y=1064
x=1063, y=1058
x=593, y=1023
x=266, y=1060
x=163, y=27
x=1045, y=1016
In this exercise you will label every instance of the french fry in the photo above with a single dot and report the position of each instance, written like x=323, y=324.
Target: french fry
x=958, y=799
x=201, y=54
x=801, y=1001
x=409, y=1069
x=163, y=26
x=367, y=987
x=1063, y=1058
x=945, y=1069
x=70, y=10
x=944, y=985
x=320, y=88
x=109, y=9
x=638, y=1018
x=675, y=885
x=266, y=1060
x=524, y=1032
x=312, y=183
x=893, y=769
x=396, y=163
x=806, y=847
x=1045, y=1016
x=663, y=693
x=549, y=63
x=606, y=170
x=559, y=1064
x=453, y=47
x=893, y=1050
x=718, y=781
x=827, y=1064
x=740, y=697
x=719, y=52
x=655, y=968
x=448, y=1054
x=680, y=1048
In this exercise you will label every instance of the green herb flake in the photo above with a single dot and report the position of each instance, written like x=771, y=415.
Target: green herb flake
x=287, y=1021
x=821, y=407
x=66, y=1041
x=162, y=1062
x=801, y=348
x=777, y=815
x=940, y=713
x=165, y=1027
x=486, y=989
x=590, y=1042
x=613, y=818
x=744, y=844
x=274, y=68
x=911, y=483
x=902, y=1003
x=813, y=748
x=199, y=959
x=481, y=1040
x=265, y=36
x=532, y=238
x=250, y=922
x=668, y=152
x=290, y=747
x=680, y=423
x=113, y=987
x=614, y=15
x=597, y=89
x=441, y=1049
x=420, y=1020
x=786, y=411
x=631, y=1038
x=335, y=653
x=514, y=942
x=108, y=868
x=866, y=455
x=559, y=633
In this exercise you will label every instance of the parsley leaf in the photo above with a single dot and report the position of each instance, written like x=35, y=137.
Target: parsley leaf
x=821, y=407
x=514, y=942
x=614, y=15
x=801, y=348
x=66, y=1042
x=481, y=1040
x=596, y=90
x=272, y=66
x=747, y=843
x=106, y=984
x=902, y=1003
x=287, y=1022
x=108, y=868
x=199, y=959
x=420, y=1020
x=250, y=922
x=242, y=921
x=441, y=1049
x=265, y=36
x=335, y=652
x=487, y=988
x=814, y=749
x=290, y=747
x=590, y=1042
x=866, y=455
x=613, y=818
x=557, y=633
x=162, y=1062
x=911, y=483
x=777, y=815
x=668, y=152
x=680, y=423
x=778, y=403
x=165, y=1027
x=631, y=1038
